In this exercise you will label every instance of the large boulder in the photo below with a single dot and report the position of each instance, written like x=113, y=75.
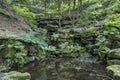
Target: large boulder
x=14, y=75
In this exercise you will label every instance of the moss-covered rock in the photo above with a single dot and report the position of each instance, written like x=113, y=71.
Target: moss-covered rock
x=115, y=69
x=2, y=68
x=113, y=62
x=13, y=52
x=114, y=54
x=14, y=75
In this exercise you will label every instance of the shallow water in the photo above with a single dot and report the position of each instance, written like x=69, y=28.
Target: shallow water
x=67, y=69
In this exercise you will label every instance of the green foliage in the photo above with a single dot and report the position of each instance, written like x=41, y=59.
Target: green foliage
x=91, y=30
x=100, y=40
x=113, y=21
x=39, y=40
x=17, y=1
x=55, y=37
x=114, y=17
x=16, y=45
x=16, y=54
x=99, y=11
x=114, y=8
x=89, y=40
x=112, y=29
x=27, y=15
x=9, y=1
x=94, y=13
x=5, y=12
x=50, y=48
x=108, y=33
x=102, y=52
x=70, y=50
x=1, y=46
x=89, y=35
x=101, y=49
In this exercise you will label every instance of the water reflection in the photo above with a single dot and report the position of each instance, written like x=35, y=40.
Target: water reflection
x=67, y=69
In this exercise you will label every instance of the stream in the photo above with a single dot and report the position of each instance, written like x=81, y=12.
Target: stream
x=67, y=69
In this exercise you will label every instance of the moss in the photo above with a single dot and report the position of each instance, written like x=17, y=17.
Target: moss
x=114, y=17
x=115, y=69
x=114, y=24
x=14, y=75
x=17, y=53
x=40, y=52
x=115, y=8
x=102, y=52
x=114, y=54
x=68, y=49
x=113, y=62
x=9, y=53
x=14, y=53
x=2, y=68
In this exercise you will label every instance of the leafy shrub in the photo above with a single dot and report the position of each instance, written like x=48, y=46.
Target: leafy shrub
x=111, y=29
x=116, y=7
x=31, y=38
x=102, y=52
x=108, y=33
x=114, y=17
x=100, y=48
x=15, y=53
x=70, y=50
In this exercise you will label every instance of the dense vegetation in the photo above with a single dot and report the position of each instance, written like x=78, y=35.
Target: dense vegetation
x=64, y=28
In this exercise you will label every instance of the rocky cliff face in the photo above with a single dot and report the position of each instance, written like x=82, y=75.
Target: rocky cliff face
x=12, y=28
x=11, y=24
